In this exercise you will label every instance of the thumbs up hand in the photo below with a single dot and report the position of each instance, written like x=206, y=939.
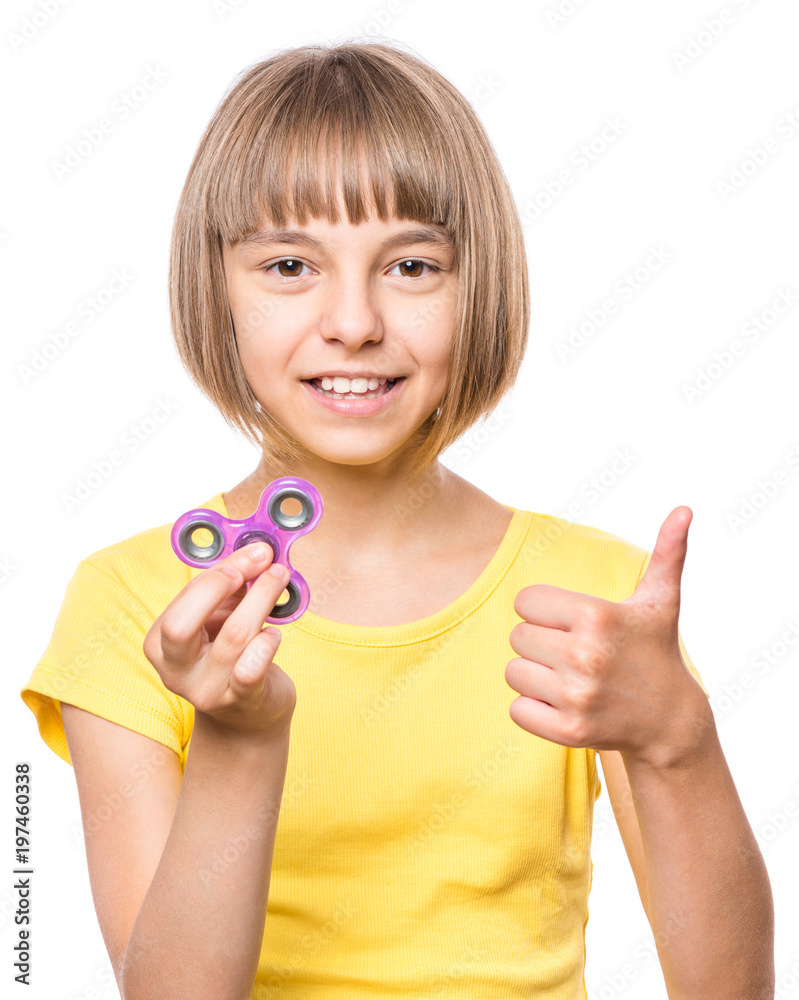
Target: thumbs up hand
x=609, y=675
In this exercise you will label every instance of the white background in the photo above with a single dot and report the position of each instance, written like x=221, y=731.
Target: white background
x=543, y=88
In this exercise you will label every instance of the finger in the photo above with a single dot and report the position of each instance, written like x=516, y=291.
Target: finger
x=553, y=607
x=534, y=680
x=661, y=581
x=246, y=621
x=537, y=718
x=248, y=676
x=551, y=646
x=182, y=621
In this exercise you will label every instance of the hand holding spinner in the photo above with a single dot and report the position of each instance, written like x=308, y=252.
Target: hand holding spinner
x=268, y=524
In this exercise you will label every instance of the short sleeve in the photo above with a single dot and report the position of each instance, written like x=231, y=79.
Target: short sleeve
x=95, y=660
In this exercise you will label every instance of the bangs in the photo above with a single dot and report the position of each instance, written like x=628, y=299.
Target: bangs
x=331, y=137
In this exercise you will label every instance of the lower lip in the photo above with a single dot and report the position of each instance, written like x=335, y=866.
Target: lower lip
x=358, y=407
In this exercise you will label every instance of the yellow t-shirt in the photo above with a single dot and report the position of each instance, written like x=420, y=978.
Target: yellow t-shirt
x=427, y=846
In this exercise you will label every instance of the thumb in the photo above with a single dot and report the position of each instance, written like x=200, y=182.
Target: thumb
x=660, y=584
x=251, y=668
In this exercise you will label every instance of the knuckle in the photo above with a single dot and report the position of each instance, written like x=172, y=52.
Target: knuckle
x=151, y=646
x=201, y=703
x=595, y=618
x=232, y=568
x=236, y=633
x=174, y=682
x=588, y=656
x=204, y=699
x=174, y=631
x=663, y=593
x=582, y=693
x=253, y=657
x=577, y=732
x=589, y=615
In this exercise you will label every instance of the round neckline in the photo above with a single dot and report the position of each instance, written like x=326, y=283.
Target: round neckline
x=422, y=628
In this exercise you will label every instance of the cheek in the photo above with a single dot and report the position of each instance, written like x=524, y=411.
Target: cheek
x=442, y=333
x=441, y=350
x=428, y=332
x=254, y=311
x=266, y=330
x=253, y=318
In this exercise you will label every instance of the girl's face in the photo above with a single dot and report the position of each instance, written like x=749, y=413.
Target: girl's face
x=323, y=299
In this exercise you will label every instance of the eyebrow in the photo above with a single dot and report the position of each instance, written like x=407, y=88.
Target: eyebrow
x=421, y=234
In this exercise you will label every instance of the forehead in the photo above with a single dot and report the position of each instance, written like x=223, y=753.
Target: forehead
x=317, y=233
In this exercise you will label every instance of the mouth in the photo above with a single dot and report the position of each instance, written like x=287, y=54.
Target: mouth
x=381, y=390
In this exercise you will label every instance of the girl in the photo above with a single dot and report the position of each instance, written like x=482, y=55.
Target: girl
x=348, y=285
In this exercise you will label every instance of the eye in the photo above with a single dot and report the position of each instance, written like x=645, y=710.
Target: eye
x=291, y=267
x=412, y=263
x=290, y=264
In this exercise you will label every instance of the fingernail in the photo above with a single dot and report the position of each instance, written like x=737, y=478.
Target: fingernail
x=279, y=571
x=260, y=550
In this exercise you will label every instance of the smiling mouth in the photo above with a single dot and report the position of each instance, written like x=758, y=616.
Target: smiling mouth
x=380, y=391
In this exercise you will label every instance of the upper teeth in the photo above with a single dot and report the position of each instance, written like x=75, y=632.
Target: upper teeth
x=340, y=384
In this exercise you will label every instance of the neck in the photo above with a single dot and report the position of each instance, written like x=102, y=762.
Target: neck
x=368, y=513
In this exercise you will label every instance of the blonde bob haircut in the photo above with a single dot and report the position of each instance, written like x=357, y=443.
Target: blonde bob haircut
x=428, y=159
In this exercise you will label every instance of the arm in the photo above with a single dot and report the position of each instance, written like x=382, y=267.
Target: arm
x=610, y=675
x=173, y=928
x=181, y=916
x=701, y=875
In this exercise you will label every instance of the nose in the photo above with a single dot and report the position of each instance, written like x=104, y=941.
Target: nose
x=350, y=312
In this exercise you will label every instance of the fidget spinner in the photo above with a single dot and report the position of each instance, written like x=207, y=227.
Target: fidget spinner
x=268, y=524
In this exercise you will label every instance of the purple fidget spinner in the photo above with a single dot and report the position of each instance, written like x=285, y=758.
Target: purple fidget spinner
x=269, y=523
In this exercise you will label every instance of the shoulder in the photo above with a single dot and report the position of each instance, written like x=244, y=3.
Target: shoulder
x=95, y=659
x=143, y=566
x=580, y=557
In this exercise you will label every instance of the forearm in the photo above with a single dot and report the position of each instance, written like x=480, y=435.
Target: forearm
x=709, y=897
x=199, y=930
